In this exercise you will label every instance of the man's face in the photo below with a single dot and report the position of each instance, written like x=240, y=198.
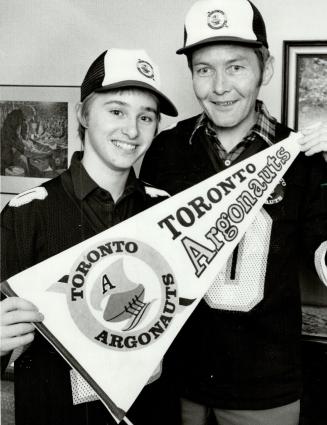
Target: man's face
x=120, y=128
x=226, y=82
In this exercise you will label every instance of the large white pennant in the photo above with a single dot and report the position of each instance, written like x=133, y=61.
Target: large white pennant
x=114, y=303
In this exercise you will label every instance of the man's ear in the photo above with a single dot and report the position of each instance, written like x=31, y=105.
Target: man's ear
x=268, y=71
x=80, y=116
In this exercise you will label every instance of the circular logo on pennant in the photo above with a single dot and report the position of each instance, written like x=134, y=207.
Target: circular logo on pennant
x=278, y=194
x=217, y=19
x=122, y=294
x=145, y=68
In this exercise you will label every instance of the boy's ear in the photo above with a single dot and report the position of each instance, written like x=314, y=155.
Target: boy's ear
x=80, y=116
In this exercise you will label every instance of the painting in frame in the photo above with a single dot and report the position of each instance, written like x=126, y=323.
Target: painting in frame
x=38, y=134
x=304, y=97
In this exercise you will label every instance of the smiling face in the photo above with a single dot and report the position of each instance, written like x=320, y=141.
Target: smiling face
x=119, y=128
x=226, y=82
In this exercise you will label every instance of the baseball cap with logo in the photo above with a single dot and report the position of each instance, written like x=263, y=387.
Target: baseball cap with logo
x=118, y=68
x=218, y=21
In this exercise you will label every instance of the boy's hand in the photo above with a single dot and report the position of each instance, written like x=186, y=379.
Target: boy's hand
x=15, y=319
x=314, y=139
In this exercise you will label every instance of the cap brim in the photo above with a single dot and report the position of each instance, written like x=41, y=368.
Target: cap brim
x=166, y=106
x=216, y=40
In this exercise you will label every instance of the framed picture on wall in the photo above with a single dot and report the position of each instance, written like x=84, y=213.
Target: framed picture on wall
x=304, y=97
x=38, y=134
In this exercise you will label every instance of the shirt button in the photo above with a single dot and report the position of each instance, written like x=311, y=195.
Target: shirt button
x=227, y=162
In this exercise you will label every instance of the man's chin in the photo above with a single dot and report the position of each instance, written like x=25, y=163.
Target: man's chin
x=224, y=122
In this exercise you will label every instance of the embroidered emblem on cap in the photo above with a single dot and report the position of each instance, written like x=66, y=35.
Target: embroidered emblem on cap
x=145, y=68
x=217, y=19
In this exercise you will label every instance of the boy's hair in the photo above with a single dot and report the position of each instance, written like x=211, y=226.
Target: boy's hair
x=85, y=107
x=261, y=52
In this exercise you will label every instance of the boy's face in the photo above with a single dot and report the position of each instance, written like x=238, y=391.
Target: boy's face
x=226, y=81
x=120, y=128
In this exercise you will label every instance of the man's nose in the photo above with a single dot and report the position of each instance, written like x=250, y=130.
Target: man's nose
x=221, y=83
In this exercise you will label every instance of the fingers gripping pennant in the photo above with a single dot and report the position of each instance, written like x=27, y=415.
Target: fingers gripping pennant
x=114, y=303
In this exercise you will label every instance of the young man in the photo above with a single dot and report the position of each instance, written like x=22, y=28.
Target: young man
x=242, y=358
x=118, y=116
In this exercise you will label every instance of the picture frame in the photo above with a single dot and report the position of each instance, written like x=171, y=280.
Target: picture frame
x=38, y=134
x=304, y=95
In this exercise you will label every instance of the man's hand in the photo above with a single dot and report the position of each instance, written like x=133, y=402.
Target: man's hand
x=15, y=319
x=314, y=139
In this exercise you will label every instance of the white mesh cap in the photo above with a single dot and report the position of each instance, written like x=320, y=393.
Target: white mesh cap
x=232, y=21
x=117, y=68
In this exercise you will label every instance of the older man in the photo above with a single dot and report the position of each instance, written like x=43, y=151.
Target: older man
x=242, y=358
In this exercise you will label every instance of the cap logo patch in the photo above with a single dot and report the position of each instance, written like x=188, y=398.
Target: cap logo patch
x=145, y=68
x=217, y=19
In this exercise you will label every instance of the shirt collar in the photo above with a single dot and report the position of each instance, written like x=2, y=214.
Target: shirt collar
x=83, y=184
x=264, y=127
x=201, y=122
